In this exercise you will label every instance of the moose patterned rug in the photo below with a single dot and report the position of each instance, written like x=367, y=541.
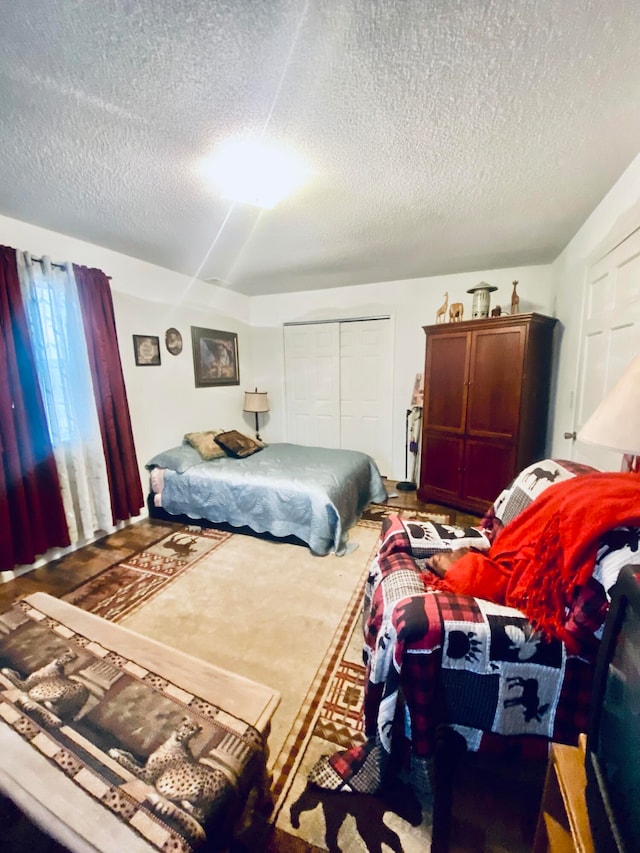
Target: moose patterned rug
x=376, y=513
x=277, y=614
x=123, y=588
x=306, y=818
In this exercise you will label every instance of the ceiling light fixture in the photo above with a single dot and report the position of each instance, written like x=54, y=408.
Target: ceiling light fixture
x=256, y=172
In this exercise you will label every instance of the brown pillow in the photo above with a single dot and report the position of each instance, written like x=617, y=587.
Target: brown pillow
x=204, y=443
x=237, y=444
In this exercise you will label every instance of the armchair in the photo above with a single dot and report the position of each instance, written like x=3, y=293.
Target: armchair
x=436, y=658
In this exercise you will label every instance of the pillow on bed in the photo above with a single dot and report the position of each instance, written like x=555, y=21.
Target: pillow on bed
x=178, y=459
x=236, y=444
x=205, y=444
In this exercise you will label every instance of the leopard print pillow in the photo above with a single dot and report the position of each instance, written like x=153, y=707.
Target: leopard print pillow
x=205, y=444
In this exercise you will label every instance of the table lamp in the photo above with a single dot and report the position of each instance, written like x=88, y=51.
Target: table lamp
x=615, y=424
x=257, y=402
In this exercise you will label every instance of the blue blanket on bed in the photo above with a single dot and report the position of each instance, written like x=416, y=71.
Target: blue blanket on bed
x=313, y=493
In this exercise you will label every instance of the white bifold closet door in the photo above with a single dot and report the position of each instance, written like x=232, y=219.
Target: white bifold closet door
x=338, y=379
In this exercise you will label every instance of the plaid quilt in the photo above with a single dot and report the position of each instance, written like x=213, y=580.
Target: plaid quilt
x=435, y=657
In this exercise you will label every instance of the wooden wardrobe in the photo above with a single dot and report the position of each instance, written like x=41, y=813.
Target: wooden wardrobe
x=486, y=400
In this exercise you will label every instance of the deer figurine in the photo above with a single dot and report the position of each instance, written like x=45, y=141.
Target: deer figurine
x=441, y=313
x=515, y=299
x=456, y=311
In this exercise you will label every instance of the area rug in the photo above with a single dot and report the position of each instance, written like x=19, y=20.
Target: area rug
x=306, y=818
x=122, y=588
x=376, y=513
x=277, y=614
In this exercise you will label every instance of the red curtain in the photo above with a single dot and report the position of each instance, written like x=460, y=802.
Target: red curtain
x=32, y=516
x=109, y=389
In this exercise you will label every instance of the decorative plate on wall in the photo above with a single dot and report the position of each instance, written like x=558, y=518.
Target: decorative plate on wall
x=173, y=341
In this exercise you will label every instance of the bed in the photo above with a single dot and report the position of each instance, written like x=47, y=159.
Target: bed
x=313, y=493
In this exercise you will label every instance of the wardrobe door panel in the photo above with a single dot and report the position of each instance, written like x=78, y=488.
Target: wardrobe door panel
x=488, y=468
x=442, y=457
x=446, y=382
x=495, y=383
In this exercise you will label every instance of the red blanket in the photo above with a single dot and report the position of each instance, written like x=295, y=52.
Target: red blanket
x=549, y=550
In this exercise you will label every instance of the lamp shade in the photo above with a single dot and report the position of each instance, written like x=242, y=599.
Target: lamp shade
x=615, y=424
x=256, y=401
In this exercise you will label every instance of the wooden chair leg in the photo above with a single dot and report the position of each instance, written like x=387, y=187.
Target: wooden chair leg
x=449, y=747
x=9, y=813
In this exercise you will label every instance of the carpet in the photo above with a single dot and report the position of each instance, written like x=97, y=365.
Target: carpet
x=376, y=513
x=274, y=612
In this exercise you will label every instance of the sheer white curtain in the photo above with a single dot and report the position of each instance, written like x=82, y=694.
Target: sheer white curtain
x=55, y=326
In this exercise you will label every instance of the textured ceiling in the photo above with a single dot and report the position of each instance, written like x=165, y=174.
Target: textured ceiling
x=444, y=135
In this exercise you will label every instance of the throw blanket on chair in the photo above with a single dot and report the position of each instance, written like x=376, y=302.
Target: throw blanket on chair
x=435, y=655
x=548, y=551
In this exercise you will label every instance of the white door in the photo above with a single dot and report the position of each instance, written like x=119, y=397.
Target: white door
x=338, y=386
x=610, y=337
x=366, y=375
x=312, y=383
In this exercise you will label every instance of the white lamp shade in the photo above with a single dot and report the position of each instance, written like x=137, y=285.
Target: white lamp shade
x=615, y=424
x=256, y=401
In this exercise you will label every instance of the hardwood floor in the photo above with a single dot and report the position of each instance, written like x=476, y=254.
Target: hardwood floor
x=61, y=576
x=495, y=805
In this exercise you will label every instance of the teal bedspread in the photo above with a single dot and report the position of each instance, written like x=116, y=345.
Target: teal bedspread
x=313, y=493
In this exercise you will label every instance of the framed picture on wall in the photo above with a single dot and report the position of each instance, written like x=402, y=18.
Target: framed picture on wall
x=147, y=350
x=215, y=357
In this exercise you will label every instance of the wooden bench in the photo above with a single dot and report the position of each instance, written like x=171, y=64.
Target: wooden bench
x=64, y=768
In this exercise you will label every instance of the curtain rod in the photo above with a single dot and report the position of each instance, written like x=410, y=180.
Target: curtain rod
x=59, y=266
x=41, y=261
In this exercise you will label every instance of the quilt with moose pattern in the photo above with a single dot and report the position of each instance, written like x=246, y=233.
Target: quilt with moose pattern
x=437, y=657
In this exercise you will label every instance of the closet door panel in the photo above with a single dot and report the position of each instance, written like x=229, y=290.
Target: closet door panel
x=366, y=376
x=312, y=379
x=338, y=381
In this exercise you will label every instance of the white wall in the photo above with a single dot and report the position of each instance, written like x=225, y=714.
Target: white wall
x=617, y=215
x=164, y=401
x=148, y=299
x=412, y=304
